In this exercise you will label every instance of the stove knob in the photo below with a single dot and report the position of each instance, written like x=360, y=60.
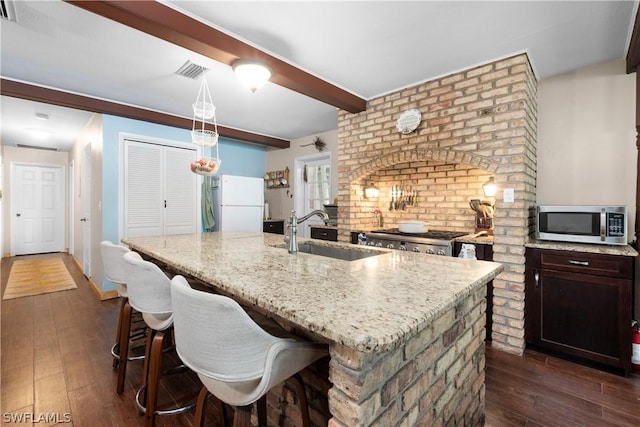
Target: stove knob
x=390, y=246
x=371, y=244
x=441, y=252
x=416, y=249
x=379, y=245
x=402, y=248
x=430, y=251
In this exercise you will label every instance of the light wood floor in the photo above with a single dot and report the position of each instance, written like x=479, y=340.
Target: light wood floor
x=55, y=359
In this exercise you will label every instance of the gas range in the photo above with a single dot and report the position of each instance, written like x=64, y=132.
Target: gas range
x=434, y=242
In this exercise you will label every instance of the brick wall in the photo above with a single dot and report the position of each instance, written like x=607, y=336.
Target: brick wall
x=435, y=379
x=442, y=190
x=482, y=121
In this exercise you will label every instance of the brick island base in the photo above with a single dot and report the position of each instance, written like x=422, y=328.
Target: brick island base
x=434, y=379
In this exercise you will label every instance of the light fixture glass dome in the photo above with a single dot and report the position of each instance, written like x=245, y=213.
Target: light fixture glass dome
x=489, y=188
x=251, y=74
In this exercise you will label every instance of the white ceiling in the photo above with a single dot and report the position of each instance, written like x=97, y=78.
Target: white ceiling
x=368, y=48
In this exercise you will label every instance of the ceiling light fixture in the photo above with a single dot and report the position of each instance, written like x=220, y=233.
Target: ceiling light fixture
x=252, y=74
x=39, y=133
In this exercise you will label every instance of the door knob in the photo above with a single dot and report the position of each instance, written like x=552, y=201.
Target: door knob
x=18, y=214
x=83, y=219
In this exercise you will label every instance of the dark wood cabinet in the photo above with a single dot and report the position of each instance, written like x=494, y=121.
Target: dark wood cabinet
x=579, y=304
x=324, y=233
x=273, y=226
x=484, y=252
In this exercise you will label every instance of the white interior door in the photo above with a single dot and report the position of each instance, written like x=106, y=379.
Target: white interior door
x=70, y=214
x=180, y=191
x=86, y=211
x=143, y=195
x=37, y=198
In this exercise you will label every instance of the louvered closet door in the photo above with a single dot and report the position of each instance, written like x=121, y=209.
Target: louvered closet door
x=180, y=191
x=160, y=190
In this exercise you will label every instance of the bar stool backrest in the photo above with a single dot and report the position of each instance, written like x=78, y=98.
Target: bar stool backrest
x=113, y=263
x=149, y=288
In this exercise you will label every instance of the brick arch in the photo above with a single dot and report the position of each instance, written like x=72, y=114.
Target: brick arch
x=422, y=154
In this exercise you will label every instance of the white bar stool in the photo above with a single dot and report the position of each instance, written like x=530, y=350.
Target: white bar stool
x=115, y=271
x=237, y=361
x=150, y=293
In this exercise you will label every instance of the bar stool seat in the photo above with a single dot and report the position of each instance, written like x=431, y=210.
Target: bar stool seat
x=237, y=361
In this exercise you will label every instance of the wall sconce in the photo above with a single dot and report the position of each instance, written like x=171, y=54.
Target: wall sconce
x=489, y=188
x=371, y=192
x=251, y=74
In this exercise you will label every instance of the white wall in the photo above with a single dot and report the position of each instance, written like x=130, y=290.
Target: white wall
x=586, y=138
x=92, y=133
x=281, y=202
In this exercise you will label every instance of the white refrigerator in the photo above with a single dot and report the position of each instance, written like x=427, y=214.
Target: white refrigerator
x=238, y=203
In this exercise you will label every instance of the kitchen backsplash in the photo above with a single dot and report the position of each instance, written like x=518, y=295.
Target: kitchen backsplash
x=442, y=193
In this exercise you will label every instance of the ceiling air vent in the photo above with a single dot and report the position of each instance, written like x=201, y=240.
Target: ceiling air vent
x=190, y=70
x=7, y=10
x=37, y=147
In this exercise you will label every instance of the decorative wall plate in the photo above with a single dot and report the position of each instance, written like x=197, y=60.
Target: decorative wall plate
x=408, y=121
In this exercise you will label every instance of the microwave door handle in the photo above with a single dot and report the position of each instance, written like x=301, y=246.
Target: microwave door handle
x=603, y=228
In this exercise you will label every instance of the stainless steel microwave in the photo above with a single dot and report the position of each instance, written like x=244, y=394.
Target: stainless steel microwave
x=606, y=225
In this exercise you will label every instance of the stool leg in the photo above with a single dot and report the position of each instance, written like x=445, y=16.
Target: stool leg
x=262, y=411
x=242, y=417
x=302, y=399
x=125, y=329
x=198, y=420
x=145, y=365
x=153, y=379
x=123, y=301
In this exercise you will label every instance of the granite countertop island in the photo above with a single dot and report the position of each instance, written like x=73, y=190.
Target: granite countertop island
x=392, y=302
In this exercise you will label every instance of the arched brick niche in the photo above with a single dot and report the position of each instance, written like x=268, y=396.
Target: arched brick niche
x=476, y=123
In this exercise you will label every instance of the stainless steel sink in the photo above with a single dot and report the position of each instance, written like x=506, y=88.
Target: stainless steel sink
x=343, y=253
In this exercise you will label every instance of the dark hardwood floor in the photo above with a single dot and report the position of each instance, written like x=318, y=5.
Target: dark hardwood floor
x=56, y=360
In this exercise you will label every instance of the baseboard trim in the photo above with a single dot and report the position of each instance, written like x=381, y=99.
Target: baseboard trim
x=102, y=295
x=96, y=289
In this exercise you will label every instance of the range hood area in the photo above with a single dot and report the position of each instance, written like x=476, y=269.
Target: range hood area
x=476, y=124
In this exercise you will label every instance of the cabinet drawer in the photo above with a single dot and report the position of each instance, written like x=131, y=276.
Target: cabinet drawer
x=275, y=227
x=324, y=234
x=586, y=263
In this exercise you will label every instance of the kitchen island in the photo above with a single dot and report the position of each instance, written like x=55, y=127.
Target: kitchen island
x=406, y=330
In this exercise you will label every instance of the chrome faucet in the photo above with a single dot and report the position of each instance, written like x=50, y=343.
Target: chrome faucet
x=293, y=227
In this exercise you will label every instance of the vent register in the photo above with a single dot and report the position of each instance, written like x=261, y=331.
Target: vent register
x=7, y=10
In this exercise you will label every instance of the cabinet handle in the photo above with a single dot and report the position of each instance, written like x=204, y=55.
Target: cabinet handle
x=536, y=276
x=583, y=263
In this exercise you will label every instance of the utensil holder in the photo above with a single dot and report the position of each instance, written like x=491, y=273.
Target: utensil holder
x=484, y=223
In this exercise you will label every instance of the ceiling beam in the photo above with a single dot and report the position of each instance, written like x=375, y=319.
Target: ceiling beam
x=174, y=27
x=633, y=54
x=80, y=102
